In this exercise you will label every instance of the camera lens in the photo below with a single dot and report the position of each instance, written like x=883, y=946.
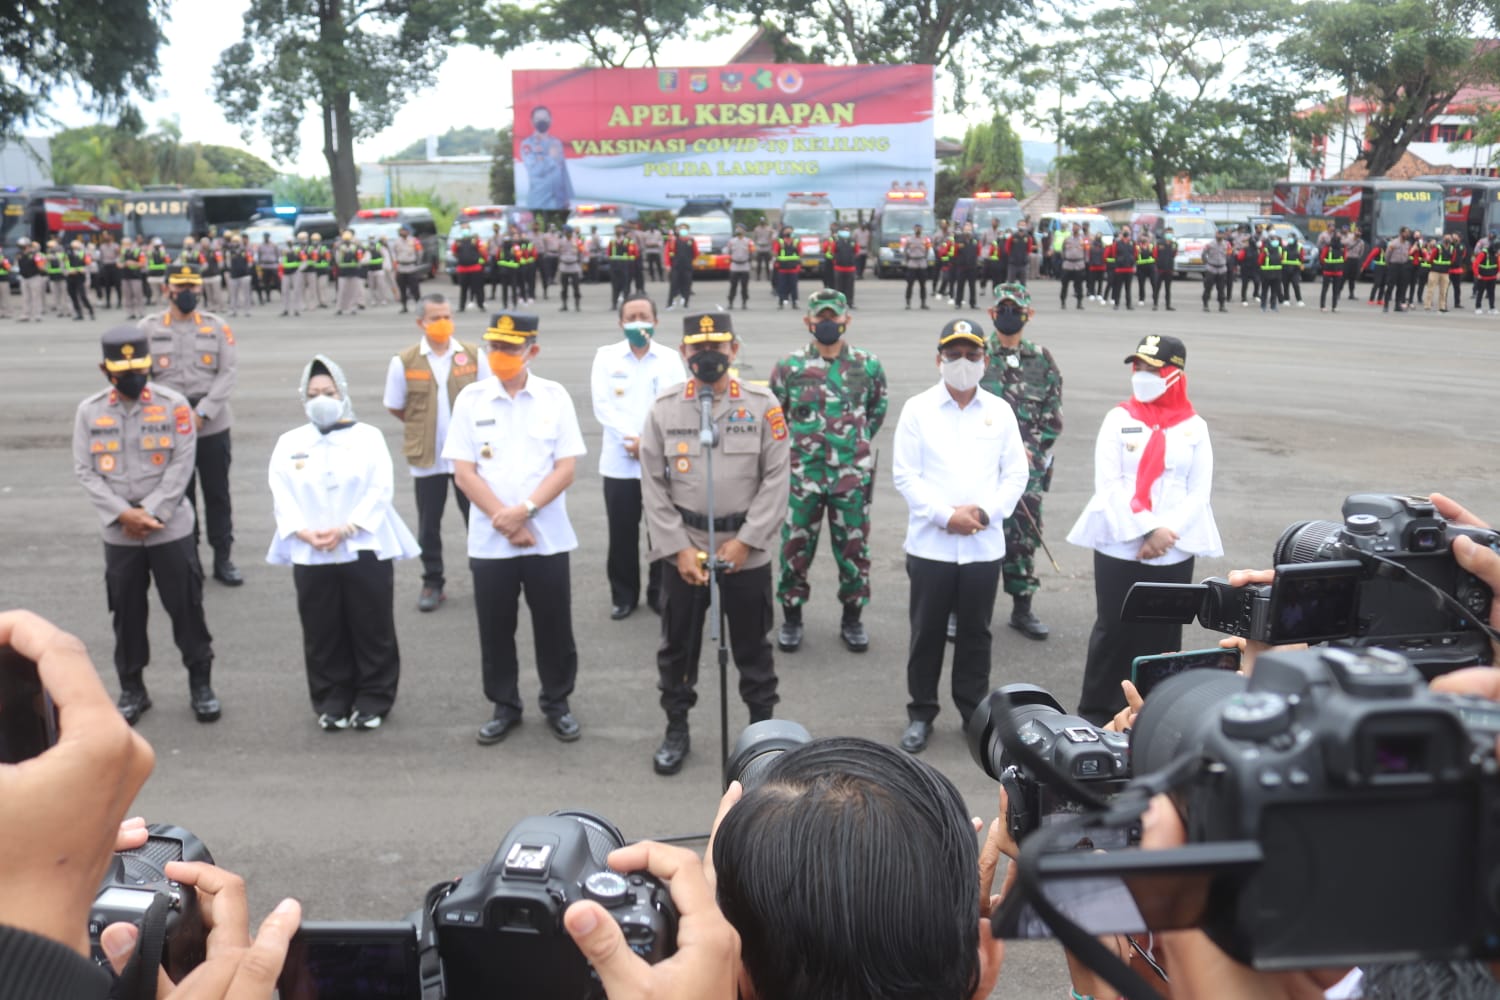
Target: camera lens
x=1305, y=542
x=1178, y=713
x=603, y=836
x=761, y=745
x=1024, y=702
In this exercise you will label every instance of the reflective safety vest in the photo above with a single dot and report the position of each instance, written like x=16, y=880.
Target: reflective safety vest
x=1486, y=265
x=1333, y=255
x=1270, y=259
x=1443, y=256
x=157, y=262
x=1145, y=253
x=787, y=254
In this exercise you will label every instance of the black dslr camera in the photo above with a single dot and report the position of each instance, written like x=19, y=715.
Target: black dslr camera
x=132, y=883
x=1074, y=746
x=499, y=929
x=1371, y=802
x=760, y=745
x=1384, y=577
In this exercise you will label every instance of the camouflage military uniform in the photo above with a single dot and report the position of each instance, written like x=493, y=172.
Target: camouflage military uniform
x=1027, y=378
x=834, y=409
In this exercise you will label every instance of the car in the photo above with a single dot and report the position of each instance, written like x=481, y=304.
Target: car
x=710, y=223
x=1191, y=227
x=810, y=215
x=387, y=223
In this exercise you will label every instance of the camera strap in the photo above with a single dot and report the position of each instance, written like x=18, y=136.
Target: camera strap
x=428, y=959
x=138, y=979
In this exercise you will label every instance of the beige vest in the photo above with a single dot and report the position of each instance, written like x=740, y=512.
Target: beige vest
x=421, y=446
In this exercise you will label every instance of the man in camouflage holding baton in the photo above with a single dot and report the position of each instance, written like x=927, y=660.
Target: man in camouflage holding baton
x=834, y=397
x=1026, y=377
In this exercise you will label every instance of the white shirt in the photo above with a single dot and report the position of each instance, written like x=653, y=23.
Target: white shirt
x=948, y=457
x=514, y=444
x=624, y=387
x=320, y=481
x=1179, y=497
x=395, y=399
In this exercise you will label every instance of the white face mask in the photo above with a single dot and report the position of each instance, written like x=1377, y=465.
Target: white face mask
x=962, y=374
x=324, y=411
x=1147, y=386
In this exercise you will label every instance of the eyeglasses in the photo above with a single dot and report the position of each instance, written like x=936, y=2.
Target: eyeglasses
x=959, y=354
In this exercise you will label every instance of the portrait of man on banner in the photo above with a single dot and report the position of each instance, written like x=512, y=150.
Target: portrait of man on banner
x=546, y=165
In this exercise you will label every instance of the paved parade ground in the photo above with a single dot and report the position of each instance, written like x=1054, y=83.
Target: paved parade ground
x=1302, y=407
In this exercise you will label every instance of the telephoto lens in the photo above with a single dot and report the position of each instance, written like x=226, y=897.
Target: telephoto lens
x=760, y=746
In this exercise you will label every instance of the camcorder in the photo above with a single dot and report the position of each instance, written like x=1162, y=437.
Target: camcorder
x=1337, y=813
x=1385, y=576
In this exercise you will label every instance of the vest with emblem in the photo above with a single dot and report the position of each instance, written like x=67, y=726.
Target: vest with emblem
x=421, y=444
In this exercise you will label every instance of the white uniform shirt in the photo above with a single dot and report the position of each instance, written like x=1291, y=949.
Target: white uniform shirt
x=1179, y=497
x=395, y=399
x=947, y=457
x=321, y=481
x=514, y=444
x=624, y=387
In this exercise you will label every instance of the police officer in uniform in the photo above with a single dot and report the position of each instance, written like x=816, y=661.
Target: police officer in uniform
x=751, y=470
x=835, y=400
x=1026, y=377
x=133, y=450
x=193, y=352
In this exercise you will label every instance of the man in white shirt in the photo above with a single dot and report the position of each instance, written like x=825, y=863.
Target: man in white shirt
x=421, y=385
x=961, y=466
x=627, y=377
x=514, y=443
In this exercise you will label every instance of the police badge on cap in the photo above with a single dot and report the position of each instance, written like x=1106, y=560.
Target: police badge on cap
x=1157, y=350
x=512, y=328
x=711, y=327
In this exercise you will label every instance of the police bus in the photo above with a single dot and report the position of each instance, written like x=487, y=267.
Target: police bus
x=1380, y=208
x=1471, y=205
x=66, y=211
x=902, y=209
x=986, y=207
x=809, y=215
x=173, y=213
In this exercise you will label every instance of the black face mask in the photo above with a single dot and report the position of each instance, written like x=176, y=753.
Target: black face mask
x=185, y=302
x=130, y=384
x=709, y=366
x=828, y=331
x=1009, y=322
x=542, y=124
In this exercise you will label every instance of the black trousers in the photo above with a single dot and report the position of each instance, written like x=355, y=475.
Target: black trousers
x=498, y=586
x=78, y=295
x=128, y=572
x=746, y=598
x=1163, y=285
x=622, y=508
x=410, y=286
x=349, y=635
x=1336, y=282
x=638, y=275
x=762, y=265
x=939, y=589
x=1397, y=278
x=740, y=280
x=1212, y=281
x=1120, y=280
x=109, y=281
x=1291, y=281
x=1016, y=271
x=432, y=497
x=1113, y=644
x=619, y=281
x=843, y=281
x=564, y=280
x=653, y=265
x=212, y=470
x=549, y=272
x=786, y=285
x=680, y=286
x=1145, y=277
x=919, y=277
x=1249, y=278
x=471, y=288
x=1483, y=290
x=965, y=276
x=1074, y=278
x=1377, y=284
x=1454, y=280
x=1351, y=278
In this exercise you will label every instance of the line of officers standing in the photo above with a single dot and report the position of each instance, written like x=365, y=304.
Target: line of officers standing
x=784, y=458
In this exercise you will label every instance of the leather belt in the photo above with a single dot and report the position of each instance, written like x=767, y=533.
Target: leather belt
x=698, y=522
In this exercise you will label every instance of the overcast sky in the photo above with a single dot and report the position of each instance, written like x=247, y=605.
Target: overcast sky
x=201, y=29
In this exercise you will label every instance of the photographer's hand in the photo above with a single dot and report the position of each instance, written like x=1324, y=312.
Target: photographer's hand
x=706, y=965
x=997, y=842
x=1125, y=718
x=1250, y=650
x=732, y=794
x=1477, y=559
x=63, y=808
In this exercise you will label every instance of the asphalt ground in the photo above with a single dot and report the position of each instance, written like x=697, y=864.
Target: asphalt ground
x=1303, y=409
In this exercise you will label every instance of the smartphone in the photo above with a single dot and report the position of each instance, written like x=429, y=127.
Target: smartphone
x=370, y=960
x=28, y=719
x=1148, y=671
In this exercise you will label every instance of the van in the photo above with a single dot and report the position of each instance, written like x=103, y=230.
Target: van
x=386, y=224
x=1191, y=227
x=901, y=209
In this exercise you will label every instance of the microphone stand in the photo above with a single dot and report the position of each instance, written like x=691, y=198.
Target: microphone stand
x=708, y=436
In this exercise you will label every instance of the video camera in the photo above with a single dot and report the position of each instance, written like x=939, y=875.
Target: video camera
x=1383, y=577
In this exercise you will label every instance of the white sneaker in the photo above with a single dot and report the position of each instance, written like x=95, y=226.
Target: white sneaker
x=359, y=720
x=1300, y=303
x=330, y=723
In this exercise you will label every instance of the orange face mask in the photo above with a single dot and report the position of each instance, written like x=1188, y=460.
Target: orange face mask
x=507, y=366
x=439, y=330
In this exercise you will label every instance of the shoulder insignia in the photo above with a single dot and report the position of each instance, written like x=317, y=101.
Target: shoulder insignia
x=146, y=395
x=777, y=420
x=734, y=388
x=184, y=417
x=690, y=389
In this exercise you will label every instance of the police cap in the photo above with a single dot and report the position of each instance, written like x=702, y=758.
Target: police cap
x=126, y=348
x=184, y=274
x=512, y=328
x=715, y=327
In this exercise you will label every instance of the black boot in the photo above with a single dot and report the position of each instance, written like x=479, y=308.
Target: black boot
x=674, y=746
x=225, y=570
x=134, y=701
x=789, y=638
x=1023, y=621
x=205, y=702
x=852, y=630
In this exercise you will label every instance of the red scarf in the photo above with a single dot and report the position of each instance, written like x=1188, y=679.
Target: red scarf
x=1168, y=410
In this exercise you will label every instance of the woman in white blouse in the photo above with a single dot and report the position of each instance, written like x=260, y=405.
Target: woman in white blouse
x=335, y=526
x=1149, y=516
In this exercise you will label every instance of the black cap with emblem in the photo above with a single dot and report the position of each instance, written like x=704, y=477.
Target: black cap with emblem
x=961, y=329
x=126, y=348
x=716, y=327
x=512, y=328
x=1157, y=350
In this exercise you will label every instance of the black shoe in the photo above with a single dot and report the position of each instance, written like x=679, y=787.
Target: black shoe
x=430, y=599
x=495, y=730
x=1024, y=621
x=856, y=639
x=365, y=723
x=226, y=572
x=914, y=740
x=1171, y=309
x=565, y=727
x=675, y=747
x=789, y=637
x=205, y=703
x=619, y=611
x=133, y=704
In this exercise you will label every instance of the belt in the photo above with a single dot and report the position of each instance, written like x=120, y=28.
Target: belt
x=729, y=522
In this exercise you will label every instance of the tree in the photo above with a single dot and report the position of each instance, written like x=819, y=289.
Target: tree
x=304, y=192
x=620, y=34
x=1165, y=91
x=953, y=35
x=503, y=168
x=121, y=156
x=105, y=48
x=1406, y=58
x=355, y=61
x=467, y=141
x=991, y=159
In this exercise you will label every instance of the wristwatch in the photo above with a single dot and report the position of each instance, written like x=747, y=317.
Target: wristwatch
x=530, y=507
